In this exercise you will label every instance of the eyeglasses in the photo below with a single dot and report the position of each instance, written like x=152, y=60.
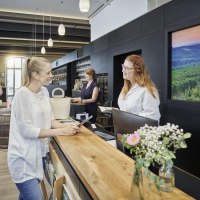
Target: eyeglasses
x=126, y=68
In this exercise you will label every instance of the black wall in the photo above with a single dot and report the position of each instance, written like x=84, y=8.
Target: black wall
x=149, y=34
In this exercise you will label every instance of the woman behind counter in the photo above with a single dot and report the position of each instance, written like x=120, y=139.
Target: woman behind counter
x=89, y=94
x=139, y=94
x=31, y=122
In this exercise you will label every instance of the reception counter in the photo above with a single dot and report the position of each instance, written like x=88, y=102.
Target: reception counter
x=100, y=171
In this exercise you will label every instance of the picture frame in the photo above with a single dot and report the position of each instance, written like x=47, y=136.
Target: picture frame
x=2, y=74
x=184, y=63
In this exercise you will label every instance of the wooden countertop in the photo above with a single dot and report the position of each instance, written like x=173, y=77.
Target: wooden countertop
x=105, y=171
x=77, y=104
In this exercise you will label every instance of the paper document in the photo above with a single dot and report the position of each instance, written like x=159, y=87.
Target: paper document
x=112, y=142
x=105, y=109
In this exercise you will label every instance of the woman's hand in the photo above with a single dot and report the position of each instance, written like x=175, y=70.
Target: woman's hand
x=76, y=100
x=70, y=129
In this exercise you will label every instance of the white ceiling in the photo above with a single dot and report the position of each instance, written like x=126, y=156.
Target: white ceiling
x=67, y=9
x=20, y=18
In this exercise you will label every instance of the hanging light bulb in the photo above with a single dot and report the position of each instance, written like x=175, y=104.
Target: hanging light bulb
x=84, y=5
x=50, y=41
x=43, y=50
x=61, y=29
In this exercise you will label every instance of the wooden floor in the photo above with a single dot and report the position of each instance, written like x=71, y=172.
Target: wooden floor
x=8, y=190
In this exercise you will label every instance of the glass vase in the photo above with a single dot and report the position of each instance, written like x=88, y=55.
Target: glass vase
x=167, y=174
x=137, y=191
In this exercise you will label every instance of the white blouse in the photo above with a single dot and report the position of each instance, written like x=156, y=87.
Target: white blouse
x=30, y=112
x=139, y=101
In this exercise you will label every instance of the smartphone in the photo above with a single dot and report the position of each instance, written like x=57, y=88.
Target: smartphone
x=86, y=120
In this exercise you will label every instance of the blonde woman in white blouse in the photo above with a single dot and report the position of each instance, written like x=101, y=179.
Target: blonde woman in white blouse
x=31, y=122
x=139, y=94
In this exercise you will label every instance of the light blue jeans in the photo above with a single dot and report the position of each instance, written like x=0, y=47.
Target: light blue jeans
x=29, y=190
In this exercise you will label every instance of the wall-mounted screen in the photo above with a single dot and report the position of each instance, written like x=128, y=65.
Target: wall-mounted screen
x=185, y=64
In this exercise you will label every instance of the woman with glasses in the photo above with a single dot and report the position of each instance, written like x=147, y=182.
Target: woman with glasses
x=139, y=94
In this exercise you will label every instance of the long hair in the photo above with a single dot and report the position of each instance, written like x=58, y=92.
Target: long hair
x=141, y=76
x=33, y=64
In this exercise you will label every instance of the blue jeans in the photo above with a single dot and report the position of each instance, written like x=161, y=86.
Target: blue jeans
x=29, y=190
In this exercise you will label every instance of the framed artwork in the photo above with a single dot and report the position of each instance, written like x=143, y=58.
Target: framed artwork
x=185, y=64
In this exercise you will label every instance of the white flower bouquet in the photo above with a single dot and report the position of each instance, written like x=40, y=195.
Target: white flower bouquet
x=155, y=145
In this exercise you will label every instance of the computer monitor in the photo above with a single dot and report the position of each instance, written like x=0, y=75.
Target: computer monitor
x=128, y=122
x=125, y=122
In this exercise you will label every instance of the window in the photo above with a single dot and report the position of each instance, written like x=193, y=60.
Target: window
x=13, y=74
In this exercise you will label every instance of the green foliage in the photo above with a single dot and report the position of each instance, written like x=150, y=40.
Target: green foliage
x=152, y=145
x=186, y=83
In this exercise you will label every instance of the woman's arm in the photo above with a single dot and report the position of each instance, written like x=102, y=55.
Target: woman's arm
x=76, y=100
x=56, y=124
x=95, y=94
x=67, y=129
x=150, y=106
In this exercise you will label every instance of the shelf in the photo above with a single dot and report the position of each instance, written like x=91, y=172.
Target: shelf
x=81, y=69
x=81, y=75
x=83, y=64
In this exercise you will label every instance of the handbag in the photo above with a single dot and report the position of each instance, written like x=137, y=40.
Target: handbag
x=60, y=104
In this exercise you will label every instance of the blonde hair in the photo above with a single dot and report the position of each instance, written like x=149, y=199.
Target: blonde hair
x=141, y=76
x=90, y=71
x=33, y=64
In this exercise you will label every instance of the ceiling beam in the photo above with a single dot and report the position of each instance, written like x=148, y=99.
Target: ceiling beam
x=56, y=43
x=5, y=26
x=31, y=49
x=19, y=33
x=28, y=35
x=29, y=18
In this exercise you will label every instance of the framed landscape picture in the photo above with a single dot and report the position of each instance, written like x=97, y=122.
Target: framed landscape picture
x=185, y=64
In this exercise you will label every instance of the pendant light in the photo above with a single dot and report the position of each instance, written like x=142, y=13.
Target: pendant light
x=50, y=41
x=61, y=28
x=84, y=5
x=43, y=50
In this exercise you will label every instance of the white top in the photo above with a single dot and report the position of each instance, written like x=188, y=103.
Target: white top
x=30, y=112
x=139, y=101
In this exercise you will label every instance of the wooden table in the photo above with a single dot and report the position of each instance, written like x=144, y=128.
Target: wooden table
x=105, y=171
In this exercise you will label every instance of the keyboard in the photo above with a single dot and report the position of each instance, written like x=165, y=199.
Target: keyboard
x=104, y=135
